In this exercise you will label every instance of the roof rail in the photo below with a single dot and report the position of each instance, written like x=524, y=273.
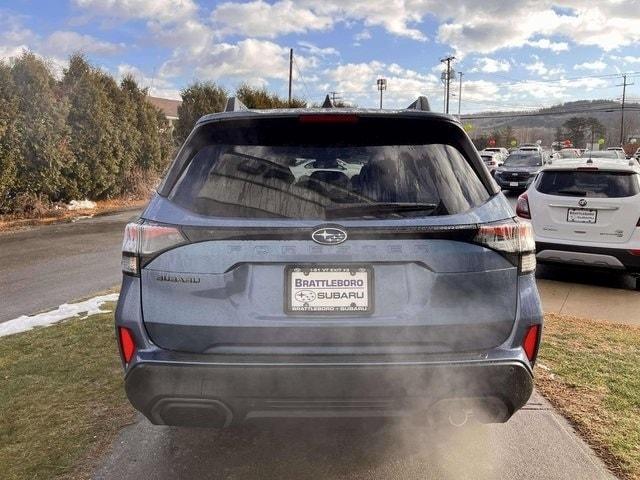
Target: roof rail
x=422, y=103
x=234, y=105
x=327, y=102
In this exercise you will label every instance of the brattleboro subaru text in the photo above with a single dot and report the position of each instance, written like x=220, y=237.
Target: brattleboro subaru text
x=328, y=263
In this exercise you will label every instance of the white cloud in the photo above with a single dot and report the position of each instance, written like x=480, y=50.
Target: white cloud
x=261, y=19
x=251, y=60
x=64, y=42
x=493, y=25
x=491, y=65
x=625, y=59
x=596, y=66
x=547, y=44
x=361, y=37
x=159, y=10
x=312, y=49
x=540, y=68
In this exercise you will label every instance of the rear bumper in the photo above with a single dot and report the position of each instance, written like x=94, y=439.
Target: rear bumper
x=218, y=395
x=586, y=256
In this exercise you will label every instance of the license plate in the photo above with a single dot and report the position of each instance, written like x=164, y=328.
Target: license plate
x=328, y=289
x=582, y=215
x=513, y=184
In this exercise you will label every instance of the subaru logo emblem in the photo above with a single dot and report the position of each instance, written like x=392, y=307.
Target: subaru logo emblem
x=582, y=202
x=329, y=236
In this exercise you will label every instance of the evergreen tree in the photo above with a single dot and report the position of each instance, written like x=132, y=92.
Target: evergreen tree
x=94, y=131
x=10, y=155
x=260, y=98
x=197, y=100
x=44, y=136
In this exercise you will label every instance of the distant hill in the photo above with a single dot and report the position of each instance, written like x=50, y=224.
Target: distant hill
x=545, y=121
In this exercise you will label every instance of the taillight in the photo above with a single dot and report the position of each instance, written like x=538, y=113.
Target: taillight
x=522, y=207
x=635, y=252
x=530, y=342
x=127, y=344
x=142, y=240
x=513, y=239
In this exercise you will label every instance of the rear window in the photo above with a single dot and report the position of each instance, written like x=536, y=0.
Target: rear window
x=306, y=182
x=596, y=184
x=529, y=159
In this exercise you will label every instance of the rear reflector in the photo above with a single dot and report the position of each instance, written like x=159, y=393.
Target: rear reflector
x=127, y=344
x=328, y=118
x=635, y=252
x=530, y=342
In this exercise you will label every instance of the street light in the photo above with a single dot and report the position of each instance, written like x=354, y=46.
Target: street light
x=382, y=85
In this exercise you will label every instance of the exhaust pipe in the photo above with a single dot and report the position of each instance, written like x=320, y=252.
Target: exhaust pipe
x=459, y=417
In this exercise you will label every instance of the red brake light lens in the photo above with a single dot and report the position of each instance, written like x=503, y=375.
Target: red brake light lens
x=530, y=342
x=127, y=344
x=328, y=118
x=522, y=207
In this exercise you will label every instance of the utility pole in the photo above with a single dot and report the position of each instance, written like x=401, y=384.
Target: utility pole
x=460, y=94
x=624, y=86
x=447, y=79
x=382, y=85
x=290, y=72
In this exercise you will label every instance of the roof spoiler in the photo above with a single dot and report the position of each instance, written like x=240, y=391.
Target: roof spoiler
x=235, y=105
x=422, y=103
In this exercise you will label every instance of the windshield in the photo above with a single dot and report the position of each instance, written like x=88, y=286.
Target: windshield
x=598, y=184
x=532, y=159
x=254, y=181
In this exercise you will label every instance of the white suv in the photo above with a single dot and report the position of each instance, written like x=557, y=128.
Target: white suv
x=587, y=213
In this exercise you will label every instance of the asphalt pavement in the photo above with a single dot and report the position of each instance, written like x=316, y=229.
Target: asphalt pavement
x=45, y=266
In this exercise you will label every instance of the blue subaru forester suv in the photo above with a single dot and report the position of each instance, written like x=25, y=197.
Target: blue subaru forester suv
x=328, y=263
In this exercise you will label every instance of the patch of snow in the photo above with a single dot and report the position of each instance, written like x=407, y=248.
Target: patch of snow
x=81, y=205
x=63, y=312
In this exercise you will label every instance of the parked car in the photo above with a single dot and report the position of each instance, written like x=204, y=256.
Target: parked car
x=492, y=160
x=406, y=289
x=530, y=147
x=611, y=154
x=586, y=213
x=519, y=170
x=500, y=151
x=566, y=153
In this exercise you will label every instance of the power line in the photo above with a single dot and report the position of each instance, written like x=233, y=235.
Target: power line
x=304, y=84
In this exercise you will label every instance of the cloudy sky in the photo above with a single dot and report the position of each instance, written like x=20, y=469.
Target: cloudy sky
x=514, y=54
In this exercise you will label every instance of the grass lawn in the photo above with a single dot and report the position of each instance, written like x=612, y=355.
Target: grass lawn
x=61, y=399
x=590, y=371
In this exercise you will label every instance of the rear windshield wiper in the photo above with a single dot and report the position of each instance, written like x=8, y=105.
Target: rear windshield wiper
x=372, y=208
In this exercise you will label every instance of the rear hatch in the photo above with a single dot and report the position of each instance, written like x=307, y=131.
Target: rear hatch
x=378, y=247
x=587, y=204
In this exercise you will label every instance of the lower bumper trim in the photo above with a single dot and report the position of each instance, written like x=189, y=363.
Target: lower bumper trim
x=218, y=395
